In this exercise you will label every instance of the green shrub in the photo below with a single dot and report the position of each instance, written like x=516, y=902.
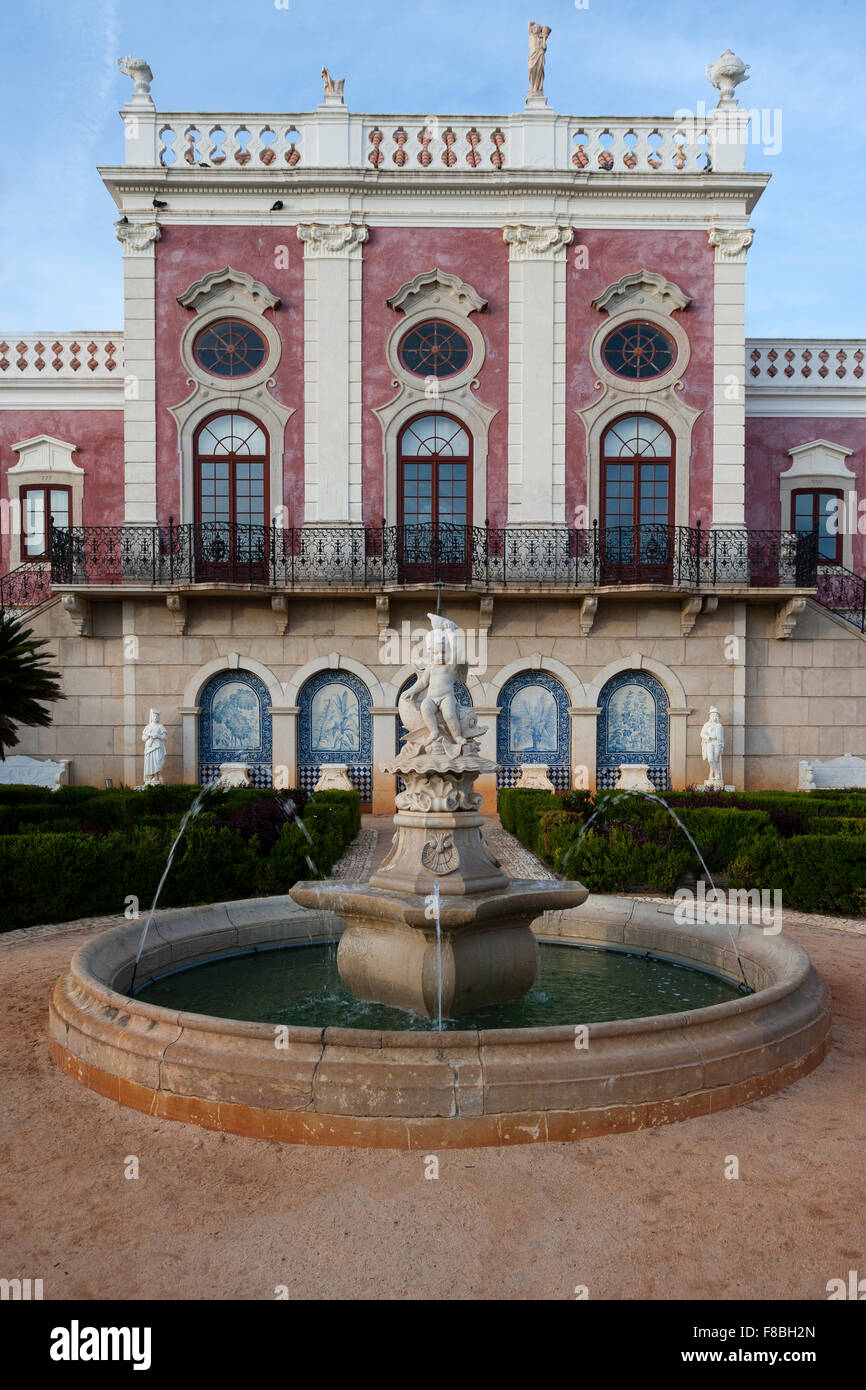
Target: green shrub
x=815, y=873
x=344, y=798
x=68, y=873
x=719, y=834
x=837, y=825
x=16, y=794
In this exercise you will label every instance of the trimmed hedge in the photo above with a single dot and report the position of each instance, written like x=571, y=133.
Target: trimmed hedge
x=814, y=851
x=815, y=873
x=244, y=847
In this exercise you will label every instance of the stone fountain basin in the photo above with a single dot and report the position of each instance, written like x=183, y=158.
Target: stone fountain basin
x=345, y=1086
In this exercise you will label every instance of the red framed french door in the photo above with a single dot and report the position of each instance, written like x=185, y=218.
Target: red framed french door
x=819, y=509
x=637, y=476
x=231, y=502
x=434, y=499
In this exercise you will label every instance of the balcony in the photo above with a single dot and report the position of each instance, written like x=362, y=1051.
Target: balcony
x=482, y=558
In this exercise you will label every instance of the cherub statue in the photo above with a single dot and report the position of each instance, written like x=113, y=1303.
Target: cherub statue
x=434, y=721
x=538, y=36
x=333, y=85
x=712, y=748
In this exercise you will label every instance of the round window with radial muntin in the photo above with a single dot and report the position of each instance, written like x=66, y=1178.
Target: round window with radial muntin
x=638, y=351
x=435, y=349
x=230, y=348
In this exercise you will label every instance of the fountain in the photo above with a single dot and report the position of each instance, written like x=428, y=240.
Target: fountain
x=433, y=1034
x=485, y=951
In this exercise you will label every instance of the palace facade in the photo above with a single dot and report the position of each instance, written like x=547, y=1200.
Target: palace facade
x=372, y=362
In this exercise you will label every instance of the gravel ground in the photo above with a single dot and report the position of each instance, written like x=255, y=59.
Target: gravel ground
x=642, y=1215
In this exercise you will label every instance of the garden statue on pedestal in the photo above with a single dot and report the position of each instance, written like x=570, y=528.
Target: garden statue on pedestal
x=712, y=748
x=153, y=737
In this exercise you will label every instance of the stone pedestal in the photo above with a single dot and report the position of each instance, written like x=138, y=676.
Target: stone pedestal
x=484, y=948
x=234, y=775
x=334, y=777
x=437, y=836
x=634, y=777
x=536, y=777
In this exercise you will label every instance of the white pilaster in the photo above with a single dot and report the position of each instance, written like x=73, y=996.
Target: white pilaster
x=332, y=369
x=729, y=374
x=138, y=240
x=536, y=373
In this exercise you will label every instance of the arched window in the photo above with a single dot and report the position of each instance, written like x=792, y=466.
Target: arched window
x=231, y=497
x=434, y=463
x=637, y=477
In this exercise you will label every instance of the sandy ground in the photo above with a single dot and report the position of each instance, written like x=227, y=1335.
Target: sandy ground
x=643, y=1215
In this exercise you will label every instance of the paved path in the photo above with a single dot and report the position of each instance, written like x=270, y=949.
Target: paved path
x=643, y=1215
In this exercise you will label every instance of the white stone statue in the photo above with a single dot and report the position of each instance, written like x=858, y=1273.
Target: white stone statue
x=538, y=36
x=712, y=748
x=333, y=85
x=434, y=721
x=153, y=737
x=139, y=71
x=726, y=73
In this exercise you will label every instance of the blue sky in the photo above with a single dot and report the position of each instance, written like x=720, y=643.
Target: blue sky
x=60, y=262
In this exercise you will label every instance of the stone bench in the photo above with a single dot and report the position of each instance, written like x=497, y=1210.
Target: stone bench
x=21, y=771
x=847, y=771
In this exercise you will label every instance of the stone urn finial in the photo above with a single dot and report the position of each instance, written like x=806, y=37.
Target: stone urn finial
x=139, y=71
x=726, y=73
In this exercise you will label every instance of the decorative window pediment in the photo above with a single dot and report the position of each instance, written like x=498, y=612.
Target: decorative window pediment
x=45, y=454
x=228, y=289
x=434, y=290
x=639, y=291
x=819, y=459
x=820, y=467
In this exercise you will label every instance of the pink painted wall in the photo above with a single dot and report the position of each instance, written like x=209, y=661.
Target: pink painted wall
x=768, y=439
x=683, y=257
x=391, y=257
x=99, y=437
x=185, y=254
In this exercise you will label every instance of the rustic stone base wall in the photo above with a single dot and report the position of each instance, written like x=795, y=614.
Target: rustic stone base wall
x=781, y=698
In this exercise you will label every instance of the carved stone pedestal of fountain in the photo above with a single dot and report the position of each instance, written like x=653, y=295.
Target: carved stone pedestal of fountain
x=439, y=863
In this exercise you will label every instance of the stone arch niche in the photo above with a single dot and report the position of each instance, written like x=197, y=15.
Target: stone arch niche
x=335, y=726
x=633, y=727
x=533, y=727
x=234, y=726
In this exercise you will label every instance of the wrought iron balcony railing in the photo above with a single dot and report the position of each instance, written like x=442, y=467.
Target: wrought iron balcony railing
x=26, y=587
x=473, y=556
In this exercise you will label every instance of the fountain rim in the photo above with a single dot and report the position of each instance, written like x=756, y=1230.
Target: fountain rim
x=81, y=967
x=370, y=1088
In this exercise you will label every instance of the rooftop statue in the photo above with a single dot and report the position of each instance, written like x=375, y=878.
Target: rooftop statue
x=139, y=71
x=538, y=36
x=333, y=85
x=726, y=73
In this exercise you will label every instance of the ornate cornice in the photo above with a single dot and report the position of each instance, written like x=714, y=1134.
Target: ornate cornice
x=529, y=242
x=324, y=239
x=731, y=243
x=428, y=283
x=642, y=288
x=137, y=238
x=217, y=285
